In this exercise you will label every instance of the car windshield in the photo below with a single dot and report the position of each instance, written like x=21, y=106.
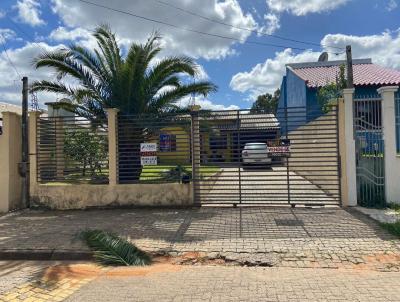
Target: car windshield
x=256, y=147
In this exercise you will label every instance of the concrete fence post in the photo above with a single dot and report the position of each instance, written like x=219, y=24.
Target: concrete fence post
x=195, y=149
x=392, y=159
x=112, y=114
x=33, y=137
x=348, y=151
x=10, y=156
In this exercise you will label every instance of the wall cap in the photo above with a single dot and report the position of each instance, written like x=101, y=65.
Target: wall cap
x=116, y=110
x=387, y=89
x=349, y=90
x=10, y=113
x=34, y=113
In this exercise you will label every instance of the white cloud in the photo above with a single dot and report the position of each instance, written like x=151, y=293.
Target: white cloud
x=2, y=13
x=29, y=12
x=76, y=14
x=273, y=23
x=205, y=104
x=304, y=7
x=6, y=34
x=65, y=34
x=10, y=83
x=267, y=76
x=383, y=49
x=392, y=5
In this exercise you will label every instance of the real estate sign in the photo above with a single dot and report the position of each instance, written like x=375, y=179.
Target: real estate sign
x=279, y=147
x=148, y=154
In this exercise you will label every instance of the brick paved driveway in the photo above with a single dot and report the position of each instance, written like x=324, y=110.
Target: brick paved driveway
x=283, y=237
x=264, y=186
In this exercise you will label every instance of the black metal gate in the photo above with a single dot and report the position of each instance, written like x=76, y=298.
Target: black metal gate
x=370, y=151
x=252, y=157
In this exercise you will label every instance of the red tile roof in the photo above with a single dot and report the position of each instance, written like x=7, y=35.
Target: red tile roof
x=364, y=74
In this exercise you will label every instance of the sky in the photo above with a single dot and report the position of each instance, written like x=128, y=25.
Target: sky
x=247, y=62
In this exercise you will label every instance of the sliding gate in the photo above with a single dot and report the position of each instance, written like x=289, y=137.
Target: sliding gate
x=253, y=157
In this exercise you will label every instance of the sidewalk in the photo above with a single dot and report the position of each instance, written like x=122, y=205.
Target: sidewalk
x=282, y=237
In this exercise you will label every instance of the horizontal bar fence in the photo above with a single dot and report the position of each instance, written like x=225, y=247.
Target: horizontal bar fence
x=230, y=157
x=154, y=148
x=238, y=144
x=370, y=153
x=71, y=150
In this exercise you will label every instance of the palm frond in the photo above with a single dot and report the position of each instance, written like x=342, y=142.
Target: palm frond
x=110, y=249
x=168, y=98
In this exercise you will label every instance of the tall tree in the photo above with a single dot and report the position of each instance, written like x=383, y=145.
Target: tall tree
x=135, y=83
x=267, y=102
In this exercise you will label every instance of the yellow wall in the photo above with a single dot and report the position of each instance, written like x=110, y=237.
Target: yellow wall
x=10, y=156
x=182, y=153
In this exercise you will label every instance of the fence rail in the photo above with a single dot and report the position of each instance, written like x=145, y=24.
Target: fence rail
x=71, y=149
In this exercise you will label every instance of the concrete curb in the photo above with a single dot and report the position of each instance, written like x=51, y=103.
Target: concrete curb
x=43, y=255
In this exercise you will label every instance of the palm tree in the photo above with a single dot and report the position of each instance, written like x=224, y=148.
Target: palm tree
x=136, y=83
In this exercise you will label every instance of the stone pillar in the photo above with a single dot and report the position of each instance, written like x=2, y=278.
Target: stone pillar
x=112, y=114
x=10, y=157
x=392, y=159
x=349, y=178
x=33, y=136
x=195, y=150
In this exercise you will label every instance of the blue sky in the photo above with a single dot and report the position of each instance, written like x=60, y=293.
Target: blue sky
x=240, y=70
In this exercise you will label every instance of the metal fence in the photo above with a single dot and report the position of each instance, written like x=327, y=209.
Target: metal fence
x=71, y=149
x=254, y=157
x=370, y=155
x=233, y=157
x=154, y=148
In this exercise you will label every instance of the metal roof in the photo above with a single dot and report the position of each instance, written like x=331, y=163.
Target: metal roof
x=365, y=74
x=261, y=121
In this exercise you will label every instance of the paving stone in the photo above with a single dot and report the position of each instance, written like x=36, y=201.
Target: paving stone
x=331, y=236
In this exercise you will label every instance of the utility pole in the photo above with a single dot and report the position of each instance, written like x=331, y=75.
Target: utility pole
x=24, y=166
x=349, y=60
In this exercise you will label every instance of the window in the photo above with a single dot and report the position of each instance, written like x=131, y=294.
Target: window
x=167, y=143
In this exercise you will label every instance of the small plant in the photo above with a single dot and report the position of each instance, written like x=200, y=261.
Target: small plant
x=392, y=228
x=329, y=93
x=178, y=173
x=110, y=249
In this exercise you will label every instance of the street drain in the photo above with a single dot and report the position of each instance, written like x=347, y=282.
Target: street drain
x=289, y=222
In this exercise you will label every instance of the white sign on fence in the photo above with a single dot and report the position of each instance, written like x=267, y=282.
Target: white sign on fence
x=148, y=154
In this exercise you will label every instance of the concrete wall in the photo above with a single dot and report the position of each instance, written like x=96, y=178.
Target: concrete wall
x=10, y=156
x=392, y=159
x=65, y=197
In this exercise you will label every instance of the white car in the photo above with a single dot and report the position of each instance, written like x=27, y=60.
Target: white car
x=256, y=153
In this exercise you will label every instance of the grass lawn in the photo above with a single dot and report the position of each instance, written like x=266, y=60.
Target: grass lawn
x=149, y=174
x=156, y=172
x=392, y=228
x=395, y=207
